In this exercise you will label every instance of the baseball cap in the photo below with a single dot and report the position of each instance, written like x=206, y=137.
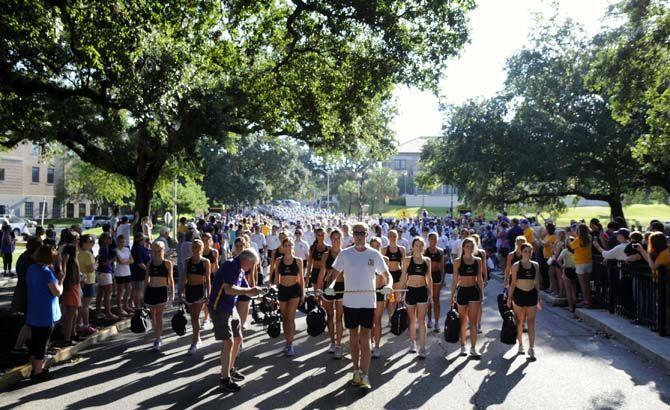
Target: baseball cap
x=524, y=221
x=623, y=231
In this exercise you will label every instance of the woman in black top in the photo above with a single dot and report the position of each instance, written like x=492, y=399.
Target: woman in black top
x=195, y=289
x=416, y=278
x=525, y=292
x=468, y=282
x=315, y=261
x=333, y=304
x=291, y=291
x=159, y=289
x=436, y=256
x=395, y=254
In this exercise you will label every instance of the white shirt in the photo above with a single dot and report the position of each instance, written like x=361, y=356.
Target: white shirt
x=618, y=252
x=122, y=270
x=347, y=241
x=124, y=229
x=359, y=270
x=443, y=242
x=308, y=236
x=385, y=241
x=301, y=249
x=404, y=243
x=258, y=239
x=456, y=247
x=272, y=241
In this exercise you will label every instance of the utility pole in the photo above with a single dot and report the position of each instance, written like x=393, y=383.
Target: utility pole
x=174, y=211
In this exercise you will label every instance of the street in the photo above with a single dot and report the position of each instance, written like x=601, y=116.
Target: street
x=576, y=369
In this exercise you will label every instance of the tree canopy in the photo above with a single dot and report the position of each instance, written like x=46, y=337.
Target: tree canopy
x=133, y=86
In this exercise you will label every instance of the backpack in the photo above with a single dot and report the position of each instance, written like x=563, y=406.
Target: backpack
x=502, y=304
x=308, y=305
x=140, y=322
x=508, y=331
x=316, y=321
x=452, y=326
x=179, y=322
x=399, y=319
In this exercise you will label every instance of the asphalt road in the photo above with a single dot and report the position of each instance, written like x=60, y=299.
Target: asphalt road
x=576, y=369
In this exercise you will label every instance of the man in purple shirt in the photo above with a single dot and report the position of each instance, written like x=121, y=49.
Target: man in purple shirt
x=228, y=283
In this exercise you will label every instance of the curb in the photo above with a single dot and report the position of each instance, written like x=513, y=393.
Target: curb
x=553, y=300
x=7, y=282
x=19, y=373
x=650, y=345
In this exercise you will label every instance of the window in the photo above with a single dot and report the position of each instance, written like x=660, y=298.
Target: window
x=94, y=209
x=399, y=164
x=3, y=209
x=2, y=176
x=56, y=210
x=70, y=211
x=82, y=209
x=36, y=150
x=50, y=175
x=43, y=209
x=29, y=209
x=36, y=174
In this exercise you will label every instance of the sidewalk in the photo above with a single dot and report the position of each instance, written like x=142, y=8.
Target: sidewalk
x=637, y=338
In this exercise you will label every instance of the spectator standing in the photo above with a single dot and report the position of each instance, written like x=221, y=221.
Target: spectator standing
x=7, y=242
x=86, y=262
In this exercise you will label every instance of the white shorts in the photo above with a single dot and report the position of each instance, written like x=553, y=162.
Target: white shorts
x=584, y=268
x=104, y=279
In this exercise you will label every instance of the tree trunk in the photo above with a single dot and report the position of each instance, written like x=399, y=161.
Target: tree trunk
x=616, y=207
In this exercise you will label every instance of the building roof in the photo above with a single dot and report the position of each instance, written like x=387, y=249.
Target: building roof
x=414, y=145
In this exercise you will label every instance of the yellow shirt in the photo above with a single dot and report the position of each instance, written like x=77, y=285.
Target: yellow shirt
x=582, y=253
x=663, y=258
x=265, y=230
x=86, y=258
x=182, y=228
x=528, y=234
x=548, y=248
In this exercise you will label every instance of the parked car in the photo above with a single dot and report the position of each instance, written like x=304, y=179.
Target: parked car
x=94, y=221
x=19, y=225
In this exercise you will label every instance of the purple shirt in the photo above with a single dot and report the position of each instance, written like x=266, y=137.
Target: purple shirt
x=231, y=273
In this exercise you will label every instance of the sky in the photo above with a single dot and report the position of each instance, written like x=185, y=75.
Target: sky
x=497, y=29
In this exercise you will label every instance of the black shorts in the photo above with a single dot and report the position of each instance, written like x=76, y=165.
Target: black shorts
x=396, y=274
x=524, y=298
x=287, y=293
x=380, y=296
x=416, y=296
x=243, y=298
x=119, y=280
x=570, y=273
x=449, y=268
x=339, y=287
x=437, y=278
x=314, y=276
x=194, y=294
x=156, y=295
x=39, y=339
x=355, y=317
x=467, y=294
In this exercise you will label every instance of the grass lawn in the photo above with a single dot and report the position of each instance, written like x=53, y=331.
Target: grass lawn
x=637, y=214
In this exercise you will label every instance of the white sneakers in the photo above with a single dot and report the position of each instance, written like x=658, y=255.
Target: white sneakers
x=412, y=347
x=157, y=345
x=376, y=352
x=332, y=348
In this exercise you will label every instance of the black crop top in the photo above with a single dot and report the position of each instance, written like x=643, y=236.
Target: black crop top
x=468, y=270
x=393, y=256
x=330, y=260
x=288, y=270
x=210, y=258
x=416, y=269
x=526, y=273
x=317, y=254
x=158, y=270
x=196, y=268
x=437, y=256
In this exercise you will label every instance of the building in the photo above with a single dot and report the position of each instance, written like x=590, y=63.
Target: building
x=31, y=185
x=406, y=164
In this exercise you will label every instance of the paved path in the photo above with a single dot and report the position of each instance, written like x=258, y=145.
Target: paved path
x=576, y=369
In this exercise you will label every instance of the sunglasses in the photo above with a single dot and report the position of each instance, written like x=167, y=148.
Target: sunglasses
x=359, y=233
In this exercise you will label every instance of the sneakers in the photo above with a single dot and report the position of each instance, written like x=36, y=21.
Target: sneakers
x=463, y=351
x=228, y=384
x=206, y=324
x=339, y=352
x=332, y=348
x=44, y=376
x=376, y=352
x=412, y=347
x=290, y=351
x=193, y=348
x=90, y=330
x=436, y=328
x=365, y=382
x=474, y=353
x=157, y=346
x=356, y=380
x=531, y=354
x=521, y=351
x=430, y=324
x=422, y=353
x=236, y=375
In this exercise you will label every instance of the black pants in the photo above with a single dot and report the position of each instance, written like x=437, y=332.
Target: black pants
x=39, y=339
x=7, y=262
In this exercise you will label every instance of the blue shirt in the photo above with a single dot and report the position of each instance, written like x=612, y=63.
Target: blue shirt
x=231, y=273
x=105, y=260
x=43, y=308
x=140, y=255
